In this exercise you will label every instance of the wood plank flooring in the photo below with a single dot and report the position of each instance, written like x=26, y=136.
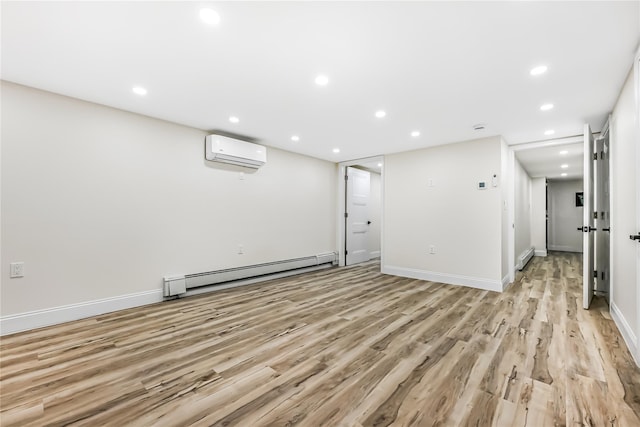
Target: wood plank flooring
x=343, y=347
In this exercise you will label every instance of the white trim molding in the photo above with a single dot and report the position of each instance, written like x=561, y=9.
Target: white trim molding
x=450, y=279
x=626, y=332
x=374, y=254
x=505, y=282
x=53, y=316
x=561, y=248
x=540, y=252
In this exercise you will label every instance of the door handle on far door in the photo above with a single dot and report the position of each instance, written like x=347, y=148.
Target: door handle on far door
x=368, y=222
x=635, y=237
x=587, y=229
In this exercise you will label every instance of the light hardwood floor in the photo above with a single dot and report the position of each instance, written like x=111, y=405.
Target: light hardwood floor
x=344, y=347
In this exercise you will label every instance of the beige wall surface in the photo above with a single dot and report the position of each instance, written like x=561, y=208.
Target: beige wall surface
x=522, y=210
x=99, y=202
x=375, y=212
x=432, y=198
x=564, y=216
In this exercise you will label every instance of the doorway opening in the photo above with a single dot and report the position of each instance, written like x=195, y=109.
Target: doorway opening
x=360, y=210
x=577, y=214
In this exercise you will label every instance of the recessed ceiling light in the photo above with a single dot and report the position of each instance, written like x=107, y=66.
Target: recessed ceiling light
x=564, y=166
x=563, y=174
x=541, y=69
x=549, y=132
x=322, y=80
x=380, y=114
x=295, y=138
x=336, y=150
x=546, y=107
x=563, y=152
x=139, y=90
x=209, y=16
x=415, y=133
x=234, y=119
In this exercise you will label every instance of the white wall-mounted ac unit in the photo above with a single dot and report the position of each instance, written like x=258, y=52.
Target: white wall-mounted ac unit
x=228, y=150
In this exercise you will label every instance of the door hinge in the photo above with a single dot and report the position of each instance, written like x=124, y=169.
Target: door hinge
x=346, y=252
x=595, y=156
x=346, y=177
x=595, y=215
x=595, y=274
x=346, y=215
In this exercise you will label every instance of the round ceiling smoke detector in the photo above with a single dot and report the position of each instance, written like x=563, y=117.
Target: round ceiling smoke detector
x=479, y=126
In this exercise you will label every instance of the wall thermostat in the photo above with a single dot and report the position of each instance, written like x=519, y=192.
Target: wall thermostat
x=482, y=185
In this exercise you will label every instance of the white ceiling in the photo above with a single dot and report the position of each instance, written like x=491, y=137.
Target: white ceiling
x=547, y=161
x=436, y=67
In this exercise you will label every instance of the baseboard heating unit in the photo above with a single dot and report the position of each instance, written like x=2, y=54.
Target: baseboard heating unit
x=179, y=285
x=525, y=258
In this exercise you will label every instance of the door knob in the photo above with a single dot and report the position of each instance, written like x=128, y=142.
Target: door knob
x=608, y=229
x=368, y=222
x=635, y=237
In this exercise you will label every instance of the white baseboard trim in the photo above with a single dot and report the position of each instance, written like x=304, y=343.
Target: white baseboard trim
x=505, y=282
x=626, y=332
x=450, y=279
x=540, y=252
x=52, y=316
x=374, y=254
x=564, y=248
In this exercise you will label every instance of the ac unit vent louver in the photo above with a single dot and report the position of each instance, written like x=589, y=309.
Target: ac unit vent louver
x=223, y=149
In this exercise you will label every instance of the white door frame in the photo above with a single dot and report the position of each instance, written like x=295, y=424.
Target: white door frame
x=636, y=67
x=588, y=247
x=341, y=207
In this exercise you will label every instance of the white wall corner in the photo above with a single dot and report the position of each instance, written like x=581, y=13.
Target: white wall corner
x=505, y=282
x=626, y=332
x=53, y=316
x=540, y=252
x=449, y=279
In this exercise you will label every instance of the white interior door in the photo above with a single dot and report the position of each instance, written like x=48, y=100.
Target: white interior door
x=637, y=211
x=602, y=245
x=588, y=222
x=358, y=187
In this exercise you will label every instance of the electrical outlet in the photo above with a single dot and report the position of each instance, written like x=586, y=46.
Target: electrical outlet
x=432, y=249
x=17, y=269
